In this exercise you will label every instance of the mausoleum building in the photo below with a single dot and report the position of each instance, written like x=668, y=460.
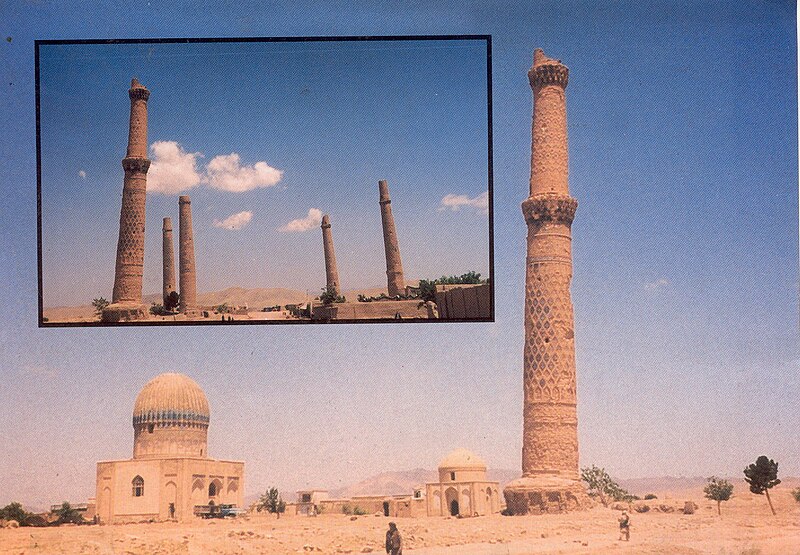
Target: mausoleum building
x=462, y=489
x=170, y=474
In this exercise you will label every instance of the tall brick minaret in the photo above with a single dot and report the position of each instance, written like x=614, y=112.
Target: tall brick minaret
x=187, y=271
x=331, y=272
x=394, y=266
x=126, y=298
x=550, y=476
x=168, y=262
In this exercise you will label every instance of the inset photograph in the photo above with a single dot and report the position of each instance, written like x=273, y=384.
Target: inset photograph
x=265, y=181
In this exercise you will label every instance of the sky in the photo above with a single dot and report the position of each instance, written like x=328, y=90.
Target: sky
x=266, y=137
x=683, y=157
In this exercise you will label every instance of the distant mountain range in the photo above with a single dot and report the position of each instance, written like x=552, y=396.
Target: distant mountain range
x=239, y=296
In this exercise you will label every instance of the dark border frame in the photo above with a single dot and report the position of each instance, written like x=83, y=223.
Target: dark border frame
x=486, y=38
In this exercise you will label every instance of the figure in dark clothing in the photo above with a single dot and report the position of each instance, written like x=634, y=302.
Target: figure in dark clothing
x=394, y=543
x=625, y=526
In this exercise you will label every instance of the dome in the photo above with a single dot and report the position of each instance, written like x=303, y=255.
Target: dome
x=463, y=459
x=171, y=399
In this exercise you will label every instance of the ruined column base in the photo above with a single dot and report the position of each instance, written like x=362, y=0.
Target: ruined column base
x=124, y=312
x=545, y=494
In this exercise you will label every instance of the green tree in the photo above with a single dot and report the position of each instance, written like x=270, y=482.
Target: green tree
x=272, y=502
x=172, y=301
x=718, y=490
x=762, y=476
x=328, y=297
x=99, y=305
x=427, y=290
x=66, y=513
x=14, y=511
x=602, y=486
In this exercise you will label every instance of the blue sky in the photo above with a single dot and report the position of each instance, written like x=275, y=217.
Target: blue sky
x=683, y=157
x=331, y=117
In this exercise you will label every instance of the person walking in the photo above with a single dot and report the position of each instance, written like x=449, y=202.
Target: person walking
x=394, y=543
x=625, y=526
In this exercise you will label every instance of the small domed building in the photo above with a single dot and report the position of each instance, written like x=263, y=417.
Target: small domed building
x=170, y=473
x=462, y=489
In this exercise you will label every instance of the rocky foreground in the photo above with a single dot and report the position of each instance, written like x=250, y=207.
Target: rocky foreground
x=745, y=527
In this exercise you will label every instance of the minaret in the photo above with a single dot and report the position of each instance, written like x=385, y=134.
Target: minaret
x=188, y=277
x=169, y=259
x=126, y=298
x=394, y=266
x=331, y=273
x=550, y=476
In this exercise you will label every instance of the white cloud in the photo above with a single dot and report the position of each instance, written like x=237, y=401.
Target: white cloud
x=235, y=221
x=173, y=170
x=453, y=202
x=82, y=174
x=657, y=284
x=311, y=221
x=226, y=173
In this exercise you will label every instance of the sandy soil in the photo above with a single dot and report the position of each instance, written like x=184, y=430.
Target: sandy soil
x=86, y=314
x=233, y=296
x=746, y=527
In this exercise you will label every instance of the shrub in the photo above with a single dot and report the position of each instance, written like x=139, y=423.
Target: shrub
x=796, y=494
x=347, y=509
x=329, y=297
x=359, y=511
x=641, y=508
x=650, y=496
x=67, y=514
x=158, y=310
x=99, y=305
x=14, y=511
x=172, y=301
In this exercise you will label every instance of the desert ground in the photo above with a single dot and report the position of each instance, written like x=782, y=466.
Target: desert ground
x=746, y=527
x=256, y=299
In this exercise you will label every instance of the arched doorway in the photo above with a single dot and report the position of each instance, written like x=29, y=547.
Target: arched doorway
x=385, y=508
x=451, y=498
x=198, y=492
x=453, y=508
x=215, y=488
x=170, y=498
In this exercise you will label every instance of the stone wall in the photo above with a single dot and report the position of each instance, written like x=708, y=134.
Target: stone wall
x=375, y=310
x=464, y=301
